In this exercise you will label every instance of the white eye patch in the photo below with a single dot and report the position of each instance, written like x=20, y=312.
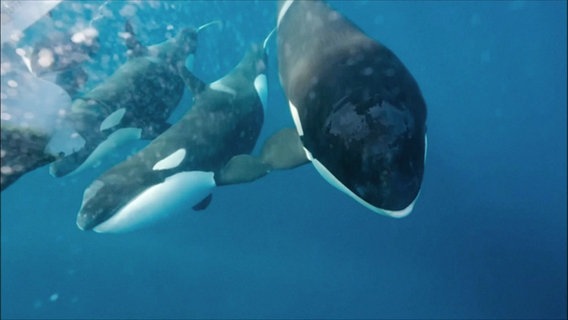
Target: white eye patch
x=171, y=161
x=113, y=119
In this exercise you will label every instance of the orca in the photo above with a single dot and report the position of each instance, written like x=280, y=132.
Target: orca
x=30, y=112
x=133, y=103
x=22, y=151
x=180, y=166
x=359, y=114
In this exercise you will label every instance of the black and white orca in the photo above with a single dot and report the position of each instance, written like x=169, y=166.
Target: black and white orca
x=358, y=112
x=30, y=114
x=180, y=166
x=134, y=103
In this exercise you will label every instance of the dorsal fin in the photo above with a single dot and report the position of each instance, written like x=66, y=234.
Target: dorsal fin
x=195, y=85
x=214, y=22
x=135, y=48
x=265, y=42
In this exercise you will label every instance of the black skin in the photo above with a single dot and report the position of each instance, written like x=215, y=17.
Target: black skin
x=361, y=111
x=22, y=152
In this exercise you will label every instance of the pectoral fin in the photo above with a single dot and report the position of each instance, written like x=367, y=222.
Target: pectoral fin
x=240, y=169
x=203, y=204
x=284, y=150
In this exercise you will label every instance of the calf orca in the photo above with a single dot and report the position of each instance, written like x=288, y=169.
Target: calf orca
x=179, y=167
x=358, y=111
x=133, y=103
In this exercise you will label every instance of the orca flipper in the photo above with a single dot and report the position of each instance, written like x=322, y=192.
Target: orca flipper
x=203, y=204
x=135, y=47
x=195, y=85
x=284, y=150
x=240, y=169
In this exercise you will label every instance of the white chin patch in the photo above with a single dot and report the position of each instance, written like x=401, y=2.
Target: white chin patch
x=296, y=118
x=283, y=11
x=171, y=161
x=182, y=190
x=261, y=86
x=308, y=154
x=113, y=119
x=114, y=141
x=331, y=179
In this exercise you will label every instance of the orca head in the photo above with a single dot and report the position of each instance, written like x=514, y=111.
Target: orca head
x=139, y=192
x=365, y=133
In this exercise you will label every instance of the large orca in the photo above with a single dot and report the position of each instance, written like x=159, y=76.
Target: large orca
x=37, y=86
x=358, y=111
x=133, y=103
x=179, y=166
x=29, y=113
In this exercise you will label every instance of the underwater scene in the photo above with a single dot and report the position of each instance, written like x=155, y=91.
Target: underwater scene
x=291, y=159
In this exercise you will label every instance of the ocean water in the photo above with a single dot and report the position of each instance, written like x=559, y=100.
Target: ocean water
x=487, y=237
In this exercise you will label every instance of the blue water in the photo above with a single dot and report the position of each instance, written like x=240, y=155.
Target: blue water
x=487, y=238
